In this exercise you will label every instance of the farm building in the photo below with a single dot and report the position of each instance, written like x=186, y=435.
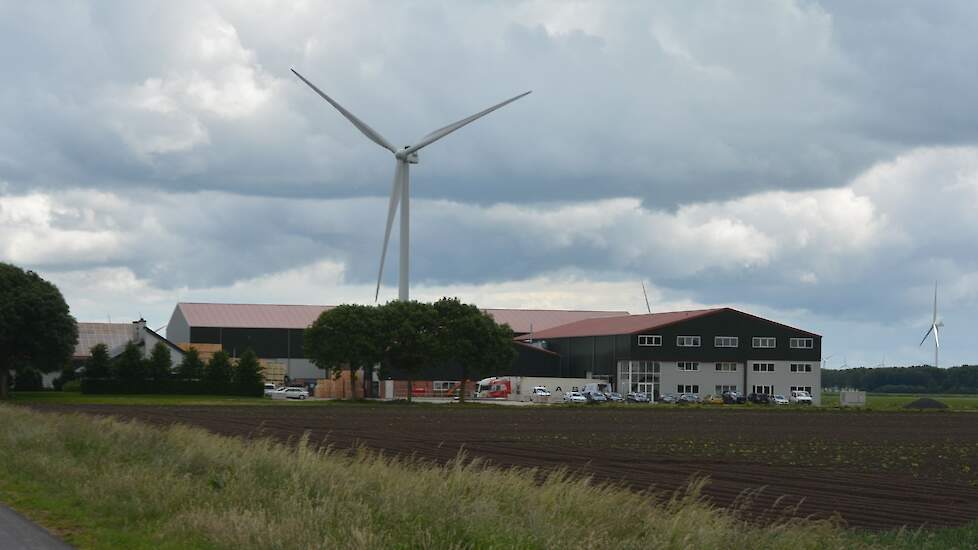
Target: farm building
x=704, y=351
x=274, y=332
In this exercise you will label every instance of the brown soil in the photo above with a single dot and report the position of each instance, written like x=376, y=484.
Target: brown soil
x=872, y=470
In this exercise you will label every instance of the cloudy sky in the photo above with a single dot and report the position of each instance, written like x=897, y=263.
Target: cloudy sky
x=815, y=162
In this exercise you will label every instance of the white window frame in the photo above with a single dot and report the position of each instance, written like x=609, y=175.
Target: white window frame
x=763, y=387
x=802, y=368
x=802, y=388
x=687, y=388
x=799, y=343
x=649, y=340
x=726, y=342
x=681, y=341
x=760, y=342
x=763, y=367
x=688, y=366
x=726, y=367
x=721, y=388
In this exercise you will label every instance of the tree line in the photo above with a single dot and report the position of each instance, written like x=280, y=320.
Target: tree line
x=409, y=336
x=130, y=372
x=915, y=379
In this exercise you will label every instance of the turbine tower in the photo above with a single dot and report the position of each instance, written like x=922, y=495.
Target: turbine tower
x=935, y=327
x=400, y=190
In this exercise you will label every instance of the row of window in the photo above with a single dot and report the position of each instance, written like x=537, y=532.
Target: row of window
x=732, y=367
x=761, y=342
x=770, y=389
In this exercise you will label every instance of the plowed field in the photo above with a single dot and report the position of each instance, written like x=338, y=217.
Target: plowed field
x=874, y=470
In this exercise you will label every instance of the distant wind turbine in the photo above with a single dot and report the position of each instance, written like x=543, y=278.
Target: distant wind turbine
x=935, y=327
x=400, y=190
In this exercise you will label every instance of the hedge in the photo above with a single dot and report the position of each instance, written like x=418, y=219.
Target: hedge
x=173, y=387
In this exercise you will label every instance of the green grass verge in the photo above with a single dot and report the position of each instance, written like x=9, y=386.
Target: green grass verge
x=896, y=401
x=103, y=483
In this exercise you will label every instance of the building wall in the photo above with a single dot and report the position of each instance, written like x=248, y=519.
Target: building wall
x=177, y=330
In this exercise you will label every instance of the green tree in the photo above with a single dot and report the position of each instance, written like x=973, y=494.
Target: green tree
x=130, y=367
x=247, y=374
x=472, y=339
x=191, y=367
x=35, y=324
x=411, y=332
x=160, y=363
x=218, y=372
x=97, y=365
x=348, y=336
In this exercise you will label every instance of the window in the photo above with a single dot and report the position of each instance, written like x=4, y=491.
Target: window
x=443, y=386
x=649, y=340
x=768, y=390
x=726, y=367
x=688, y=341
x=688, y=366
x=725, y=341
x=764, y=342
x=801, y=343
x=801, y=367
x=688, y=388
x=763, y=367
x=802, y=388
x=723, y=388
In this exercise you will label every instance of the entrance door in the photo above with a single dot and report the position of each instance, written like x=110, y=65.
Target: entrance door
x=647, y=388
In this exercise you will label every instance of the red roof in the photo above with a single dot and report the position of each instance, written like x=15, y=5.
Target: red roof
x=627, y=324
x=520, y=320
x=250, y=315
x=301, y=316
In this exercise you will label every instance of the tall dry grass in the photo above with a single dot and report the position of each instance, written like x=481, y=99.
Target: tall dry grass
x=130, y=485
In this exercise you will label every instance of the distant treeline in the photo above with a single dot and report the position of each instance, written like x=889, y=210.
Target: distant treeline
x=916, y=379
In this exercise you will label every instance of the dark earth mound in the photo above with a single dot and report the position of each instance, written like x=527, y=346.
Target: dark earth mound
x=925, y=403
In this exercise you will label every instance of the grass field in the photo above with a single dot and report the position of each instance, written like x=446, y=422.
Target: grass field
x=103, y=483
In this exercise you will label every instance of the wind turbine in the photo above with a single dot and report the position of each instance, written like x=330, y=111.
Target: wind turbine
x=400, y=190
x=935, y=327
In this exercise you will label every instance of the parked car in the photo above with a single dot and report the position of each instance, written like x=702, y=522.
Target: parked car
x=759, y=398
x=637, y=397
x=614, y=397
x=733, y=398
x=574, y=397
x=269, y=388
x=667, y=398
x=779, y=400
x=595, y=397
x=290, y=393
x=713, y=400
x=540, y=391
x=688, y=398
x=800, y=397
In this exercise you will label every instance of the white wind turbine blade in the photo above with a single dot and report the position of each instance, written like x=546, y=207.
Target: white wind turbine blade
x=371, y=134
x=399, y=174
x=442, y=132
x=926, y=335
x=935, y=303
x=937, y=337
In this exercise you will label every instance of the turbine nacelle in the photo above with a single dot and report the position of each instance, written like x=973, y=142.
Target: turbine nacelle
x=411, y=157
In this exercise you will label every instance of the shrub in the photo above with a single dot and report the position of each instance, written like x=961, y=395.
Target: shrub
x=72, y=386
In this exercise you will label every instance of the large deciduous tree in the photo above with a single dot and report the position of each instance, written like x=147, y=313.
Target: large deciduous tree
x=411, y=335
x=469, y=337
x=349, y=337
x=36, y=327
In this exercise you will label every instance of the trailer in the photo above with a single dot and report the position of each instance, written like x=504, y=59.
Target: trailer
x=531, y=388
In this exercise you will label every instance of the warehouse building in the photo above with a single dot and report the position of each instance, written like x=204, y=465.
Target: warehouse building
x=274, y=333
x=703, y=351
